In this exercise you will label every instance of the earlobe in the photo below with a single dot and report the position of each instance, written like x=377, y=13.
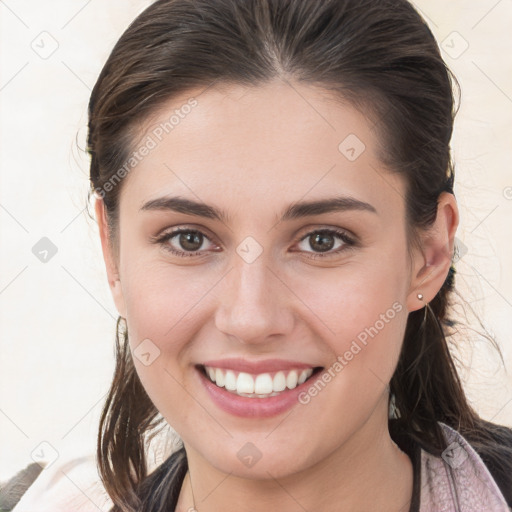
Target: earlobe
x=109, y=258
x=432, y=264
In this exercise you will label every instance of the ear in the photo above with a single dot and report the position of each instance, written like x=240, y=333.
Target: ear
x=111, y=263
x=432, y=264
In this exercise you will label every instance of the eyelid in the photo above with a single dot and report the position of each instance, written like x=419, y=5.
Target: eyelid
x=316, y=228
x=183, y=227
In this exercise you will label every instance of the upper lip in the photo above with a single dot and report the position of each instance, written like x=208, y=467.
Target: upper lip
x=256, y=367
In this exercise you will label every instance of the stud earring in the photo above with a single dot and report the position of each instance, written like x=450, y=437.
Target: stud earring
x=420, y=297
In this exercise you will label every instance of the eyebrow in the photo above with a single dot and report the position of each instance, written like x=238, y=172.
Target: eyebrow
x=295, y=211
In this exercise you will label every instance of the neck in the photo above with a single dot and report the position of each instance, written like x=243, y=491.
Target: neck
x=367, y=469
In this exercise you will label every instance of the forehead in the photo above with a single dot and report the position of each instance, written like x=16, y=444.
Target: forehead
x=260, y=145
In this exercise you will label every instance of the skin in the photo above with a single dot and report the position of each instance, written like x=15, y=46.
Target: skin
x=252, y=152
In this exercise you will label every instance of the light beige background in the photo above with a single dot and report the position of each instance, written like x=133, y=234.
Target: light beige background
x=57, y=318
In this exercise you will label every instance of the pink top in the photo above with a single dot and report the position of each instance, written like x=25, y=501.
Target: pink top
x=458, y=481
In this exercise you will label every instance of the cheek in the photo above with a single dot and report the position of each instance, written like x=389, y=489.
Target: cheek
x=349, y=299
x=165, y=310
x=366, y=317
x=162, y=301
x=360, y=312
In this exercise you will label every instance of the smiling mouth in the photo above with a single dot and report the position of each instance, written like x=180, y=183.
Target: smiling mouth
x=262, y=385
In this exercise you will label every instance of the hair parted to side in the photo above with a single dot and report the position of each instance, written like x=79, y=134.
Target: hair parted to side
x=379, y=55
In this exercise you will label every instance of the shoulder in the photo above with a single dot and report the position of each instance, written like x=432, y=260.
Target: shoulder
x=461, y=469
x=13, y=489
x=65, y=486
x=496, y=453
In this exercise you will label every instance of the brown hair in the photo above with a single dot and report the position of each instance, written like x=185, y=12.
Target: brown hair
x=382, y=57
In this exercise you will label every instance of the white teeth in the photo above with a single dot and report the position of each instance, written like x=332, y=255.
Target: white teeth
x=291, y=380
x=279, y=382
x=303, y=377
x=230, y=381
x=262, y=385
x=244, y=383
x=219, y=377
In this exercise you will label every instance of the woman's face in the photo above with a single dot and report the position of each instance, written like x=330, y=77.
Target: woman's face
x=282, y=249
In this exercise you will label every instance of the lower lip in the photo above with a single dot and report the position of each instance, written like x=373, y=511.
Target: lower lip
x=254, y=407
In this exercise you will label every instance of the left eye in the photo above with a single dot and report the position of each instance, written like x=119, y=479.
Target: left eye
x=326, y=241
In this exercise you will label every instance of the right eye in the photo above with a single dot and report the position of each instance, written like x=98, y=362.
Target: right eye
x=183, y=242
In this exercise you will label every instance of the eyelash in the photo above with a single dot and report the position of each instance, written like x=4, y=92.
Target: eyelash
x=349, y=242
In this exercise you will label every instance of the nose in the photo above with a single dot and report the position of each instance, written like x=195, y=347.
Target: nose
x=254, y=304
